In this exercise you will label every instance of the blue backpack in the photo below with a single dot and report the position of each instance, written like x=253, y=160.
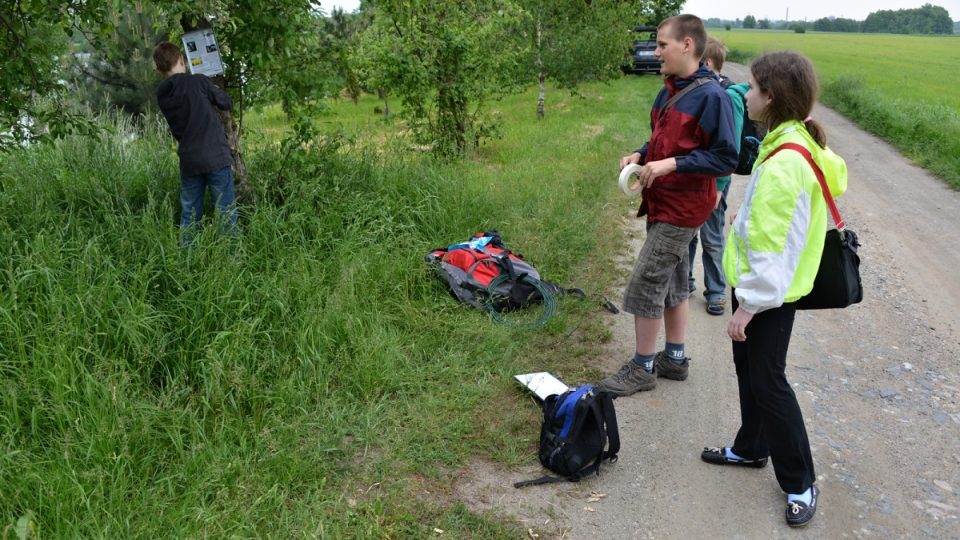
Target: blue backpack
x=579, y=431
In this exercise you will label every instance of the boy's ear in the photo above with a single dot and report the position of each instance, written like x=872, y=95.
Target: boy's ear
x=688, y=45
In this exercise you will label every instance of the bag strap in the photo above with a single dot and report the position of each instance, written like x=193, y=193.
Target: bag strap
x=610, y=423
x=539, y=481
x=820, y=178
x=572, y=407
x=686, y=90
x=503, y=261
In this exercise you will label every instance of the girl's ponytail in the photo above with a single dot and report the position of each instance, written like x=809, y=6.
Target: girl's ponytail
x=816, y=131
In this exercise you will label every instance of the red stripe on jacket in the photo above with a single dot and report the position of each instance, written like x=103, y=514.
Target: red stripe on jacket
x=698, y=130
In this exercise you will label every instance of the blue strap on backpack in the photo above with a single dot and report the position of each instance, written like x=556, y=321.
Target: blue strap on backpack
x=568, y=407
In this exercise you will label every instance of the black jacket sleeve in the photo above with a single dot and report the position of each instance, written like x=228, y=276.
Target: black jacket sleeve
x=218, y=97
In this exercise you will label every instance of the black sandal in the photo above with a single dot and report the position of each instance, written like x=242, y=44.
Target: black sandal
x=718, y=456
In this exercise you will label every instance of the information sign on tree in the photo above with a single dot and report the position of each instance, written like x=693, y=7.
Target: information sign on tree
x=203, y=53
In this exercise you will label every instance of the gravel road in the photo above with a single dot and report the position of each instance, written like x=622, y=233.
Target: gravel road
x=878, y=384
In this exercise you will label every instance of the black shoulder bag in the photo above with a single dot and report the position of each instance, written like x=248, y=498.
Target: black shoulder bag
x=838, y=283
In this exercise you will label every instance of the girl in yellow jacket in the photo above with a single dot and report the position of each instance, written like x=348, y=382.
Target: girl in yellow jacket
x=770, y=261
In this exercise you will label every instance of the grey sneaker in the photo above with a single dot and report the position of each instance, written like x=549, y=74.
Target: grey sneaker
x=667, y=368
x=631, y=378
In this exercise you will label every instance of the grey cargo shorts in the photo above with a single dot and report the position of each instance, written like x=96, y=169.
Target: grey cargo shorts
x=660, y=276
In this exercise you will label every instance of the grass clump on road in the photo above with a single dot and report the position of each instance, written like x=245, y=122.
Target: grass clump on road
x=311, y=378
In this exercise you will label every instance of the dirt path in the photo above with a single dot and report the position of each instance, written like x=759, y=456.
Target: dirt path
x=878, y=384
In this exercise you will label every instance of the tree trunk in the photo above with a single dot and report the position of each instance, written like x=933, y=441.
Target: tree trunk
x=386, y=104
x=245, y=193
x=452, y=118
x=542, y=76
x=540, y=99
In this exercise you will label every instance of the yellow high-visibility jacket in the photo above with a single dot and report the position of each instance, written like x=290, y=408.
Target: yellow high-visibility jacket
x=773, y=250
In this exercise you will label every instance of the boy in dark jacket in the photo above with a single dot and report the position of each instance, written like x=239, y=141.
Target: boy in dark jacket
x=692, y=142
x=187, y=102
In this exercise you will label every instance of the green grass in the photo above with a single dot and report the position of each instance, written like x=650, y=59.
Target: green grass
x=902, y=88
x=313, y=378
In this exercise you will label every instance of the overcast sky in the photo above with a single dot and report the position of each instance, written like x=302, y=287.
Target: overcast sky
x=810, y=10
x=346, y=5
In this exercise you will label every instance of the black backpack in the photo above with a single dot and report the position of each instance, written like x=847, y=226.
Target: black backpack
x=577, y=425
x=750, y=137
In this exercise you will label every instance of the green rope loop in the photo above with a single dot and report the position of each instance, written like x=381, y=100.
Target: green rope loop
x=549, y=303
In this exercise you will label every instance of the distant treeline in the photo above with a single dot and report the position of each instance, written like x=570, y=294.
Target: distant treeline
x=928, y=19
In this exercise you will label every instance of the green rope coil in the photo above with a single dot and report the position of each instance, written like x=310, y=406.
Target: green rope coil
x=549, y=303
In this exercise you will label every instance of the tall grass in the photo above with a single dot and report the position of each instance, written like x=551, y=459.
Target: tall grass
x=877, y=81
x=929, y=134
x=311, y=378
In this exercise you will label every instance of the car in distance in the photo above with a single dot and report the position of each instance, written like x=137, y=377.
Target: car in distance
x=641, y=59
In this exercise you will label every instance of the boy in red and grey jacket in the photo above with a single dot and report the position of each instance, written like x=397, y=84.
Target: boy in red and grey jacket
x=692, y=142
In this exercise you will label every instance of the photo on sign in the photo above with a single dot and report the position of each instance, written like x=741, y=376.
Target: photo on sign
x=191, y=46
x=212, y=48
x=196, y=61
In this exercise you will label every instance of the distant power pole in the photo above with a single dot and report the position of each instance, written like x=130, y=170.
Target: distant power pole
x=788, y=15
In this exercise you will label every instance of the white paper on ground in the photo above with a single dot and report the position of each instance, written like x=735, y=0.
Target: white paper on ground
x=542, y=384
x=627, y=177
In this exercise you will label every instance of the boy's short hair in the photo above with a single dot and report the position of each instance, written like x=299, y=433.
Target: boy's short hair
x=165, y=56
x=715, y=52
x=687, y=26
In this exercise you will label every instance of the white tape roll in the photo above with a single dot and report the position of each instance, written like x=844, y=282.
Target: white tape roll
x=627, y=177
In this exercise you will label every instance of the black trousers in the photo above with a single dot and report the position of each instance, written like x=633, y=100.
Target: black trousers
x=771, y=421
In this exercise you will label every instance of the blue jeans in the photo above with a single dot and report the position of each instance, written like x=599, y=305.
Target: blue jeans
x=711, y=235
x=192, y=191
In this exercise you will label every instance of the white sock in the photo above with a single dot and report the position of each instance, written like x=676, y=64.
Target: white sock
x=731, y=455
x=806, y=497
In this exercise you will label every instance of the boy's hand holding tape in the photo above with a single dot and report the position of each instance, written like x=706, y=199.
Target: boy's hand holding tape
x=645, y=174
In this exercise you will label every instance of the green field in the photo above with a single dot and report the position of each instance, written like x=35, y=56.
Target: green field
x=902, y=88
x=915, y=69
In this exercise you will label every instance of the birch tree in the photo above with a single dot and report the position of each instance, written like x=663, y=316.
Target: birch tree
x=574, y=41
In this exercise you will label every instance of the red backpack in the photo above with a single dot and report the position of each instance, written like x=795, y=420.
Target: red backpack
x=483, y=273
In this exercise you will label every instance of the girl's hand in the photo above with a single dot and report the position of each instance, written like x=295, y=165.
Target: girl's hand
x=737, y=327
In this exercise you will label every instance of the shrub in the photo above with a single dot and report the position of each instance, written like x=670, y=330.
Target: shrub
x=928, y=134
x=740, y=56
